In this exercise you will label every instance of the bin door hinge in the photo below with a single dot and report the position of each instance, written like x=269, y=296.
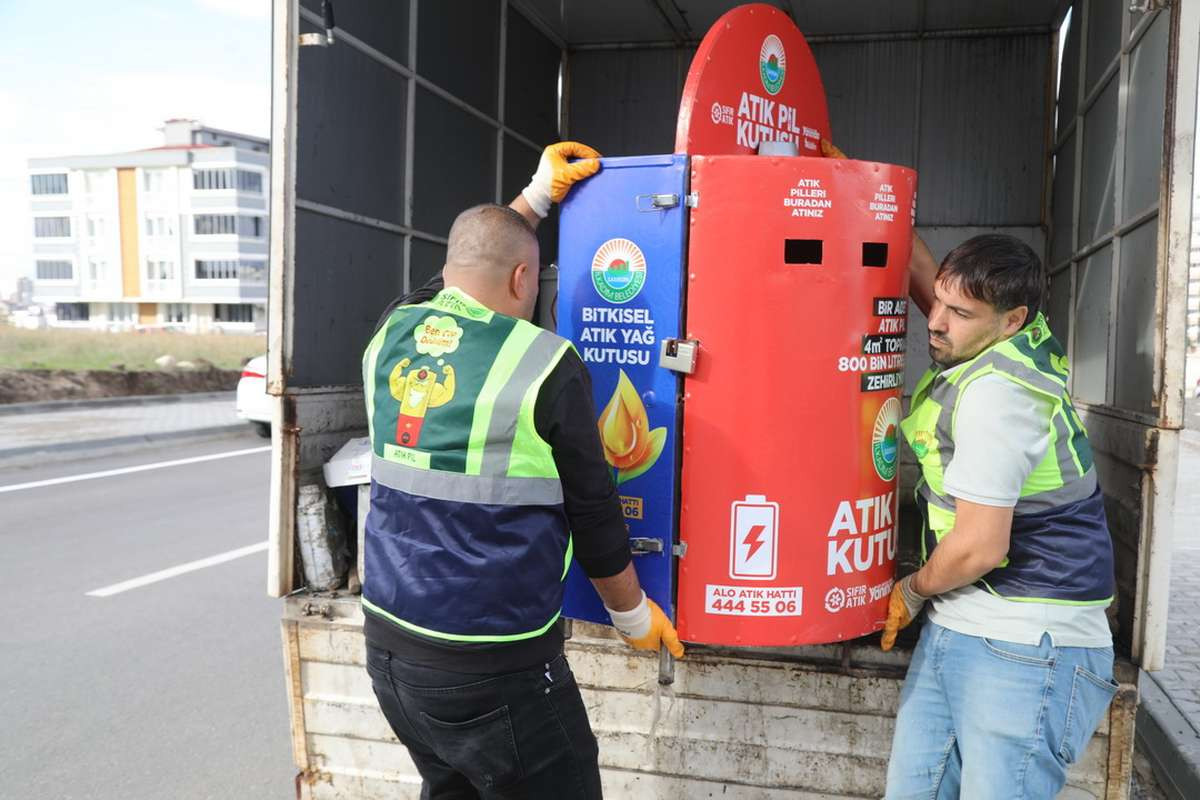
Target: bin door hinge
x=679, y=550
x=692, y=200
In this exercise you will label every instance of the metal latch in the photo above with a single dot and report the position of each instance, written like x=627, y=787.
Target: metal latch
x=655, y=202
x=679, y=355
x=639, y=545
x=317, y=39
x=692, y=200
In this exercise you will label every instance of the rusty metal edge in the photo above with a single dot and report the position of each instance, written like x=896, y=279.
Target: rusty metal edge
x=291, y=670
x=1122, y=714
x=285, y=454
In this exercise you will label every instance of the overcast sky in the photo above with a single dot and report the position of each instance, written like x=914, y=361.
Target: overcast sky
x=87, y=77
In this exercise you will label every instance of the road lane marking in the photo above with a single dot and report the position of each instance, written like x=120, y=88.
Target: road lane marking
x=171, y=572
x=87, y=476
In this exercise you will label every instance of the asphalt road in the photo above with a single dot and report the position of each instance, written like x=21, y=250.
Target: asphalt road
x=170, y=689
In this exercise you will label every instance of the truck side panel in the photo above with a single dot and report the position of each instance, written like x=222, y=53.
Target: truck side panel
x=730, y=726
x=1113, y=245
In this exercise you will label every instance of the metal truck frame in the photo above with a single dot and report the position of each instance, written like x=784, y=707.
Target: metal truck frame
x=418, y=109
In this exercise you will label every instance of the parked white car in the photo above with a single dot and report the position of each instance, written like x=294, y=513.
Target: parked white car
x=253, y=402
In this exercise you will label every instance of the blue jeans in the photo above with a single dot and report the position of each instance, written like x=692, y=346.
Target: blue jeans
x=521, y=734
x=983, y=719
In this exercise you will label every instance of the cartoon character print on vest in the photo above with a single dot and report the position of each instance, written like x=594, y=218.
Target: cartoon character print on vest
x=419, y=389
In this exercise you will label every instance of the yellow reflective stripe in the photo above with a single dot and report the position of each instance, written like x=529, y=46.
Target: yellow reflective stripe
x=924, y=382
x=369, y=372
x=569, y=554
x=506, y=362
x=1047, y=600
x=532, y=456
x=1058, y=450
x=458, y=637
x=504, y=439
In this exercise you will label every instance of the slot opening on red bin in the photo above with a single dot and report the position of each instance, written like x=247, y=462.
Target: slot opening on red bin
x=803, y=251
x=874, y=254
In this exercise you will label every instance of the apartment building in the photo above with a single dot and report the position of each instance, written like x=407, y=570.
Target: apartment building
x=173, y=237
x=1193, y=299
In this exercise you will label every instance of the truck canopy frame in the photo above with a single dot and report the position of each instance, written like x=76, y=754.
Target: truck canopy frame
x=1094, y=170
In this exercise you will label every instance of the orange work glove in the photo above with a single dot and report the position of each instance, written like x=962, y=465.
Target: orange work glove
x=646, y=627
x=830, y=151
x=903, y=607
x=555, y=174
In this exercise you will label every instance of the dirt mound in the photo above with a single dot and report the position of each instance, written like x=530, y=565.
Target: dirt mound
x=38, y=385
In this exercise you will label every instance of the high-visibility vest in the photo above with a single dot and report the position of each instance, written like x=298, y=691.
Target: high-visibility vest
x=1060, y=550
x=466, y=538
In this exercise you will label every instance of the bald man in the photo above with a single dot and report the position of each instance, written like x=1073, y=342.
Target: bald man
x=488, y=476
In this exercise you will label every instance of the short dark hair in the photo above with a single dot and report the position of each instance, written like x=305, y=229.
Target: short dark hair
x=488, y=235
x=998, y=269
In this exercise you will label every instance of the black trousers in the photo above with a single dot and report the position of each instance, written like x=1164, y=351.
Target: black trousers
x=516, y=735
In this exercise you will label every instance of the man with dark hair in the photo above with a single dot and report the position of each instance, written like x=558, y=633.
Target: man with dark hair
x=487, y=478
x=1013, y=669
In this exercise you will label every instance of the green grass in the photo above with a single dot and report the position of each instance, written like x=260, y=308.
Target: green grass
x=73, y=349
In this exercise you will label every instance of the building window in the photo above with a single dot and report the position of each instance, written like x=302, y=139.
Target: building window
x=95, y=227
x=216, y=269
x=233, y=312
x=175, y=313
x=249, y=181
x=153, y=180
x=158, y=226
x=160, y=270
x=252, y=270
x=217, y=179
x=51, y=227
x=55, y=270
x=247, y=269
x=72, y=312
x=120, y=312
x=49, y=184
x=96, y=269
x=251, y=227
x=210, y=179
x=214, y=224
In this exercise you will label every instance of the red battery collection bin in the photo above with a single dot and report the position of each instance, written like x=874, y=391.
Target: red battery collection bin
x=794, y=306
x=796, y=291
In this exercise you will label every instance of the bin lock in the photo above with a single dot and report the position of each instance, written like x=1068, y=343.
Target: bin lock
x=679, y=355
x=641, y=545
x=655, y=202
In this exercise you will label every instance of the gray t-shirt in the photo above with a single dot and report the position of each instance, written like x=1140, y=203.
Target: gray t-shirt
x=1000, y=435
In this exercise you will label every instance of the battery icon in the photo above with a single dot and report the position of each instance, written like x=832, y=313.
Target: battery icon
x=753, y=538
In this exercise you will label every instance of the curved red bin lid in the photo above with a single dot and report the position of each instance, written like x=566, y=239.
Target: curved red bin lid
x=752, y=79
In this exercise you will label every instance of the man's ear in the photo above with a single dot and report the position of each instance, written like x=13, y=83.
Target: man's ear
x=1015, y=319
x=516, y=280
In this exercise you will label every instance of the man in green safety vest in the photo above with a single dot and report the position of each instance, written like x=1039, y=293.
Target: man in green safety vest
x=488, y=477
x=1013, y=669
